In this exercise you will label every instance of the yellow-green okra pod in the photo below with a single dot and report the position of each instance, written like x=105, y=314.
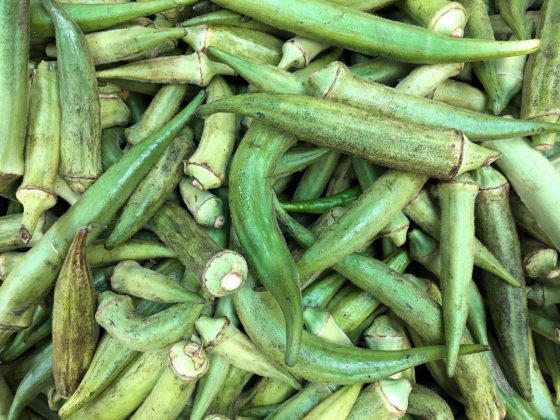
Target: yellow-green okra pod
x=14, y=83
x=206, y=208
x=36, y=192
x=510, y=75
x=457, y=198
x=424, y=79
x=75, y=331
x=186, y=362
x=80, y=126
x=441, y=16
x=540, y=97
x=207, y=165
x=113, y=111
x=438, y=153
x=337, y=405
x=194, y=68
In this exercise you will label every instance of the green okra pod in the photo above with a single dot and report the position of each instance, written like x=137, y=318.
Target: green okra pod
x=131, y=278
x=543, y=295
x=540, y=98
x=116, y=315
x=267, y=392
x=75, y=331
x=11, y=235
x=208, y=164
x=112, y=141
x=362, y=32
x=226, y=400
x=113, y=111
x=386, y=399
x=441, y=16
x=6, y=397
x=539, y=260
x=137, y=105
x=380, y=70
x=80, y=124
x=353, y=309
x=152, y=191
x=36, y=192
x=301, y=403
x=337, y=405
x=321, y=205
x=459, y=94
x=14, y=53
x=297, y=159
x=425, y=403
x=526, y=221
x=502, y=29
x=540, y=323
x=457, y=198
x=25, y=340
x=206, y=208
x=342, y=178
x=187, y=361
x=318, y=294
x=320, y=121
x=248, y=44
x=209, y=386
x=510, y=75
x=423, y=79
x=512, y=12
x=219, y=271
x=337, y=83
x=194, y=68
x=321, y=323
x=228, y=18
x=133, y=249
x=549, y=352
x=316, y=177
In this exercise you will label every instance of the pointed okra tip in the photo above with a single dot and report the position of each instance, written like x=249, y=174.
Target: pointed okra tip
x=324, y=80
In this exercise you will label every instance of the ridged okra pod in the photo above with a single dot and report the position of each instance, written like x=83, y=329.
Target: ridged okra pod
x=438, y=153
x=194, y=68
x=219, y=271
x=423, y=79
x=297, y=159
x=152, y=191
x=540, y=94
x=365, y=33
x=321, y=323
x=207, y=165
x=510, y=75
x=14, y=53
x=324, y=204
x=11, y=235
x=36, y=274
x=113, y=111
x=186, y=362
x=75, y=331
x=337, y=83
x=228, y=18
x=80, y=125
x=441, y=16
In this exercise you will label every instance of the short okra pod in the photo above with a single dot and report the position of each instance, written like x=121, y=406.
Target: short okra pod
x=116, y=315
x=319, y=122
x=539, y=260
x=441, y=16
x=425, y=403
x=153, y=190
x=195, y=68
x=80, y=125
x=337, y=83
x=15, y=85
x=459, y=94
x=386, y=399
x=358, y=31
x=131, y=278
x=206, y=208
x=186, y=363
x=337, y=405
x=321, y=205
x=297, y=159
x=113, y=111
x=457, y=199
x=219, y=271
x=36, y=192
x=208, y=164
x=221, y=337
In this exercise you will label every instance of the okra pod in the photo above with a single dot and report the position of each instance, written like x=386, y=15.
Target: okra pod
x=386, y=399
x=425, y=403
x=424, y=79
x=459, y=95
x=301, y=403
x=337, y=405
x=321, y=205
x=539, y=260
x=11, y=235
x=512, y=12
x=440, y=16
x=297, y=159
x=206, y=208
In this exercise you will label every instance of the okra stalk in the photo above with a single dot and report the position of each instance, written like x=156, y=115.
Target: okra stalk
x=11, y=235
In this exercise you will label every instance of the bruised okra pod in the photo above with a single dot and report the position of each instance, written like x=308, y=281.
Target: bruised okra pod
x=195, y=68
x=187, y=361
x=206, y=208
x=338, y=405
x=439, y=153
x=219, y=271
x=441, y=16
x=14, y=83
x=131, y=278
x=207, y=165
x=80, y=127
x=244, y=43
x=540, y=94
x=75, y=331
x=386, y=399
x=152, y=191
x=36, y=192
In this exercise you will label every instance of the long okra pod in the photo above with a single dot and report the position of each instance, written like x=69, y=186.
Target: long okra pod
x=14, y=53
x=362, y=32
x=376, y=139
x=336, y=82
x=36, y=274
x=316, y=177
x=80, y=125
x=229, y=18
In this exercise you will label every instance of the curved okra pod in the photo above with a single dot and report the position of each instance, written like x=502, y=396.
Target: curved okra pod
x=386, y=399
x=125, y=44
x=362, y=221
x=116, y=315
x=397, y=145
x=247, y=44
x=319, y=294
x=152, y=191
x=362, y=32
x=380, y=70
x=14, y=83
x=195, y=68
x=186, y=363
x=219, y=271
x=10, y=231
x=127, y=391
x=131, y=278
x=324, y=204
x=36, y=192
x=321, y=323
x=228, y=18
x=94, y=17
x=337, y=83
x=425, y=403
x=133, y=249
x=542, y=194
x=25, y=340
x=208, y=164
x=540, y=97
x=512, y=12
x=219, y=336
x=297, y=159
x=441, y=16
x=262, y=241
x=338, y=405
x=539, y=260
x=206, y=208
x=80, y=125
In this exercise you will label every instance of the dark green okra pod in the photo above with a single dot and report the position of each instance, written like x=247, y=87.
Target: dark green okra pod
x=297, y=159
x=80, y=125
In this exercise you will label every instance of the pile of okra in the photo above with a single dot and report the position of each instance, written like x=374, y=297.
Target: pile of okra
x=279, y=209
